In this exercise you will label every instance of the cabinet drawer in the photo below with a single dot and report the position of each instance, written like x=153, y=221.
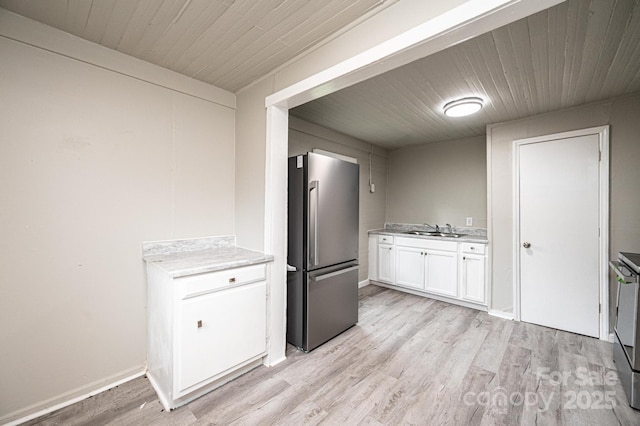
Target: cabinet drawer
x=427, y=244
x=206, y=283
x=472, y=248
x=385, y=239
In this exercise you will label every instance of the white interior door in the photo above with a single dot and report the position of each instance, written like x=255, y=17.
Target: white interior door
x=559, y=233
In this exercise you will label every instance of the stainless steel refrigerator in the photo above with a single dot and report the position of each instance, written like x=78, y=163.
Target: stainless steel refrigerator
x=322, y=282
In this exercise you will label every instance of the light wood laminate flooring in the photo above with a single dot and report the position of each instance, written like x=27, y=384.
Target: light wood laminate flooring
x=409, y=361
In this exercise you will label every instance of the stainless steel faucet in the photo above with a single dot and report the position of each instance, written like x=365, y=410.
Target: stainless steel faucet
x=448, y=229
x=436, y=228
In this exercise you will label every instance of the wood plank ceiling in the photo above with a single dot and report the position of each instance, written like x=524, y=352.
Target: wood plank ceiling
x=227, y=43
x=577, y=52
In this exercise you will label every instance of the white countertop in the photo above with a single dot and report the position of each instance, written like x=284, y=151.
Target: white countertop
x=462, y=239
x=188, y=257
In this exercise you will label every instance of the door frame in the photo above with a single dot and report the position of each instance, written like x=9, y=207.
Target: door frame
x=603, y=212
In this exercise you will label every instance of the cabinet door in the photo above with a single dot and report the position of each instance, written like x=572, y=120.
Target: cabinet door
x=441, y=272
x=473, y=278
x=410, y=267
x=218, y=331
x=385, y=263
x=373, y=257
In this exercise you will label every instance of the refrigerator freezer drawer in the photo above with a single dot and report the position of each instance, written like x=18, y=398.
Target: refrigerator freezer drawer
x=332, y=304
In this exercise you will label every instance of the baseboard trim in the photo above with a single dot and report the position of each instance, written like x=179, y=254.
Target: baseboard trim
x=200, y=389
x=156, y=387
x=458, y=302
x=363, y=283
x=65, y=403
x=275, y=362
x=502, y=314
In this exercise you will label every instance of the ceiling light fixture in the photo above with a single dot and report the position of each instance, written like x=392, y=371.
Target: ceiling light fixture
x=464, y=106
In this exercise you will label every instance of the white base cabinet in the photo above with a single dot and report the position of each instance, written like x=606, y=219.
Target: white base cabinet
x=427, y=265
x=472, y=272
x=386, y=259
x=446, y=270
x=204, y=330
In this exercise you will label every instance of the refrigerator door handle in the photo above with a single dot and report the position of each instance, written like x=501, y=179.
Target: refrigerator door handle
x=333, y=274
x=314, y=185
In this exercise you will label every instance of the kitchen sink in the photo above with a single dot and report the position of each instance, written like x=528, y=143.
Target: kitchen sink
x=435, y=234
x=450, y=235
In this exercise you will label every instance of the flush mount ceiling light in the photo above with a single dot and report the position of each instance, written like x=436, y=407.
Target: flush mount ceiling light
x=464, y=106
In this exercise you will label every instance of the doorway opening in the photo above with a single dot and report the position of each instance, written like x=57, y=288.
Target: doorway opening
x=465, y=21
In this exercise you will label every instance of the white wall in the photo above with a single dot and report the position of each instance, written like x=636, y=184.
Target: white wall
x=305, y=136
x=441, y=182
x=250, y=165
x=94, y=160
x=622, y=115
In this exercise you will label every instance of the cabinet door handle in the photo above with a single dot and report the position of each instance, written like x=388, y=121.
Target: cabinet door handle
x=199, y=323
x=232, y=280
x=464, y=258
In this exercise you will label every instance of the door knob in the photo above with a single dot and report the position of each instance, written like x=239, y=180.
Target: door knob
x=526, y=245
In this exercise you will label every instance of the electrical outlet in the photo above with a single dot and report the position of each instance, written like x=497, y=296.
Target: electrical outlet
x=469, y=221
x=372, y=188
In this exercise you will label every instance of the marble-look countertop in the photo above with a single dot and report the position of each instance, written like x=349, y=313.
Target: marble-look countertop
x=180, y=258
x=469, y=238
